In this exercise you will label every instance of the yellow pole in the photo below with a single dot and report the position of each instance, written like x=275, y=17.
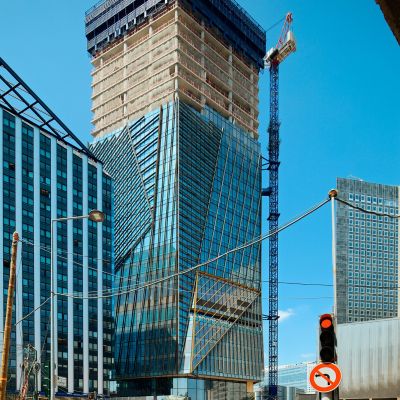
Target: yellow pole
x=7, y=325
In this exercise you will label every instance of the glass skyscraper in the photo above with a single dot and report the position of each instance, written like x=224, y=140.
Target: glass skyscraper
x=175, y=102
x=46, y=173
x=367, y=251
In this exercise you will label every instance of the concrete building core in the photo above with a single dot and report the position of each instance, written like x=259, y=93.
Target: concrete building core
x=174, y=52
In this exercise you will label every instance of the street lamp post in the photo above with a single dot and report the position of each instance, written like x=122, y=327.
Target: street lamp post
x=95, y=216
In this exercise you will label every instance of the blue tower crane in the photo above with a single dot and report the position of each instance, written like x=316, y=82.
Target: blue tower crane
x=286, y=45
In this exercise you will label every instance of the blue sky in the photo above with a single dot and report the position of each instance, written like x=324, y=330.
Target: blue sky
x=339, y=102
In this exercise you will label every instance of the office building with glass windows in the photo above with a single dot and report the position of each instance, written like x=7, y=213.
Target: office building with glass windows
x=47, y=173
x=367, y=251
x=293, y=376
x=296, y=375
x=175, y=102
x=261, y=392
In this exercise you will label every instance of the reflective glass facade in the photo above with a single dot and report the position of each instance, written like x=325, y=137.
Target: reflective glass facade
x=43, y=178
x=187, y=189
x=367, y=251
x=294, y=375
x=284, y=392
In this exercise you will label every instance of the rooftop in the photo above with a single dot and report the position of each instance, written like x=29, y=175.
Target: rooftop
x=108, y=20
x=19, y=99
x=106, y=4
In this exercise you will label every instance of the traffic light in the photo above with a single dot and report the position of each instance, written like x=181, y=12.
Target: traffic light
x=327, y=339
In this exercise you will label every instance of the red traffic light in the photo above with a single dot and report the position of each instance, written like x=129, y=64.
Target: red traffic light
x=325, y=321
x=327, y=339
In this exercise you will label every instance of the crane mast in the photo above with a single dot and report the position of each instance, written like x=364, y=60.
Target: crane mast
x=273, y=218
x=286, y=45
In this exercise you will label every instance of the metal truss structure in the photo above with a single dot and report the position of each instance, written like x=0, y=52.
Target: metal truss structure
x=273, y=145
x=224, y=303
x=285, y=46
x=22, y=101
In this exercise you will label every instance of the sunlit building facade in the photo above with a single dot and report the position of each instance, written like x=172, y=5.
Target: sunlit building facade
x=367, y=251
x=291, y=376
x=46, y=173
x=175, y=102
x=195, y=194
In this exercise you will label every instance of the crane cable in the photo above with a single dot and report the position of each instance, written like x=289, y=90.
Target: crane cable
x=275, y=24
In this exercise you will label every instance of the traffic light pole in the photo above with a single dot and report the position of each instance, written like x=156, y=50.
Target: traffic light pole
x=333, y=194
x=334, y=395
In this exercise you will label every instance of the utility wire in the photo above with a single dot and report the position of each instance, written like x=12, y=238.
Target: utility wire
x=303, y=298
x=189, y=291
x=118, y=288
x=63, y=251
x=128, y=289
x=46, y=249
x=133, y=288
x=255, y=241
x=313, y=209
x=29, y=314
x=379, y=214
x=303, y=283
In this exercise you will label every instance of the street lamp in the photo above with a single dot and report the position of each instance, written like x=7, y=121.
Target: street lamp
x=97, y=216
x=94, y=216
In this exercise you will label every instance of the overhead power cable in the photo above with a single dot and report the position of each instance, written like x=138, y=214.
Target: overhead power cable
x=30, y=313
x=303, y=283
x=132, y=287
x=63, y=251
x=379, y=214
x=47, y=250
x=244, y=246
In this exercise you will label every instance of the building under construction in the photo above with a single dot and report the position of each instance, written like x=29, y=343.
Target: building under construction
x=146, y=56
x=175, y=115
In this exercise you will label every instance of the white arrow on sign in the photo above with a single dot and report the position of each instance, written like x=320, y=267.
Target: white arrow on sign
x=325, y=377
